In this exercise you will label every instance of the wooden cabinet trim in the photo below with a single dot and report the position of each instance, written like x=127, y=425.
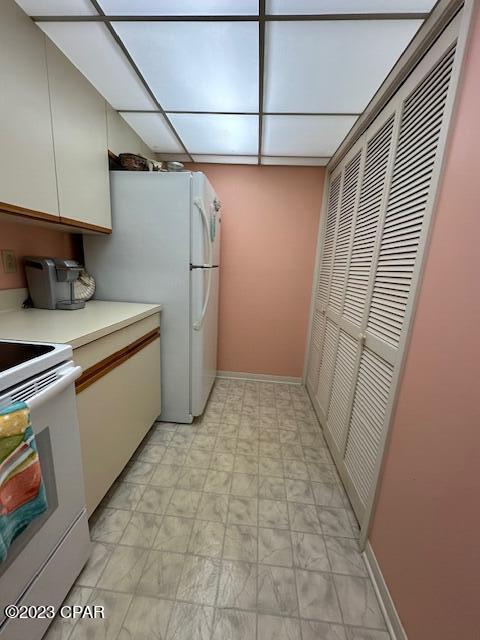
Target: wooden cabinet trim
x=15, y=210
x=100, y=369
x=87, y=226
x=31, y=214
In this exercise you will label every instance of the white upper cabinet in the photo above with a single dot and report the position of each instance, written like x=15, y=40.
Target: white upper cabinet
x=27, y=167
x=80, y=142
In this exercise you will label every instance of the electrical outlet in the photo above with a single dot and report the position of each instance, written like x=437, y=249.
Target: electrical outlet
x=9, y=261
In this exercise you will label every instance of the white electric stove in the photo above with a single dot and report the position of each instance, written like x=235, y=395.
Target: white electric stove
x=44, y=560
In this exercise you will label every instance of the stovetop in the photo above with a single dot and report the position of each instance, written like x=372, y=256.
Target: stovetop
x=15, y=353
x=20, y=361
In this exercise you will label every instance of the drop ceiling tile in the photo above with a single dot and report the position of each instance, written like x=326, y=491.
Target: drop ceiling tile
x=179, y=7
x=154, y=131
x=217, y=134
x=317, y=136
x=197, y=66
x=291, y=161
x=226, y=159
x=92, y=49
x=57, y=7
x=312, y=7
x=330, y=66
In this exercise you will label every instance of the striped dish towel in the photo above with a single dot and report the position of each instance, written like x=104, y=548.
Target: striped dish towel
x=22, y=492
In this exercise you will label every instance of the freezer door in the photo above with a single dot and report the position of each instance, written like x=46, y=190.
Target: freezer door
x=203, y=366
x=205, y=227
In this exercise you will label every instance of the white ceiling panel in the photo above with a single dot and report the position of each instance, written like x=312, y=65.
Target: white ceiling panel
x=331, y=66
x=95, y=53
x=290, y=7
x=197, y=66
x=317, y=136
x=300, y=162
x=154, y=131
x=226, y=159
x=179, y=7
x=217, y=134
x=57, y=7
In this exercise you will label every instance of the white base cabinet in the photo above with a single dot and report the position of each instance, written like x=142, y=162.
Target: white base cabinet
x=118, y=400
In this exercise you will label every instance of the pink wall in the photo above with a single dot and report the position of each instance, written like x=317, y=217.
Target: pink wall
x=427, y=522
x=26, y=239
x=269, y=231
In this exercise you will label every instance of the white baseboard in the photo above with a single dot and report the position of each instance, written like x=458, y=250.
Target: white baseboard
x=262, y=377
x=392, y=619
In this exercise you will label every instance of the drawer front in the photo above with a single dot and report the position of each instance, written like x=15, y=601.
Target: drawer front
x=90, y=354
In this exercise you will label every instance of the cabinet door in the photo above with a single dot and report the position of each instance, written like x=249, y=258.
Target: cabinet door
x=113, y=424
x=80, y=142
x=27, y=167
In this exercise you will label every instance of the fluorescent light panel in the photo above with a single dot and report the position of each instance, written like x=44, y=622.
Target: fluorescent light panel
x=348, y=6
x=57, y=7
x=197, y=66
x=226, y=159
x=154, y=131
x=179, y=7
x=317, y=136
x=92, y=49
x=217, y=134
x=289, y=161
x=333, y=66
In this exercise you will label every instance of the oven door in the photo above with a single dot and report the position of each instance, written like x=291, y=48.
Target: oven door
x=51, y=398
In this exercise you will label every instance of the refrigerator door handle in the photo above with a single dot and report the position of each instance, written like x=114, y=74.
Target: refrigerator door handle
x=197, y=325
x=200, y=206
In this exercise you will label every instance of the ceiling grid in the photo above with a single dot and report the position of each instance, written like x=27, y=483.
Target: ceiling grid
x=245, y=81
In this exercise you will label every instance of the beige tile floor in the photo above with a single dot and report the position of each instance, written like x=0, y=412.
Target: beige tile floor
x=233, y=528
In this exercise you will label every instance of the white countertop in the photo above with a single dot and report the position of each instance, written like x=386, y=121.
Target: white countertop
x=75, y=328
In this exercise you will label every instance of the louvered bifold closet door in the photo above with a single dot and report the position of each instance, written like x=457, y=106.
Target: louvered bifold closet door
x=344, y=233
x=341, y=257
x=323, y=287
x=420, y=117
x=415, y=158
x=365, y=236
x=383, y=192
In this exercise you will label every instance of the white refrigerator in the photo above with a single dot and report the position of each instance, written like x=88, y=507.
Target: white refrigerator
x=165, y=248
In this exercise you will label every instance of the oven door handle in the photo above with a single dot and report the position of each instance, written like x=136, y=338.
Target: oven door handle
x=66, y=377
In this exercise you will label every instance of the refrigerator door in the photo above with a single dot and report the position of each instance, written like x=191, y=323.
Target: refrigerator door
x=205, y=238
x=203, y=364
